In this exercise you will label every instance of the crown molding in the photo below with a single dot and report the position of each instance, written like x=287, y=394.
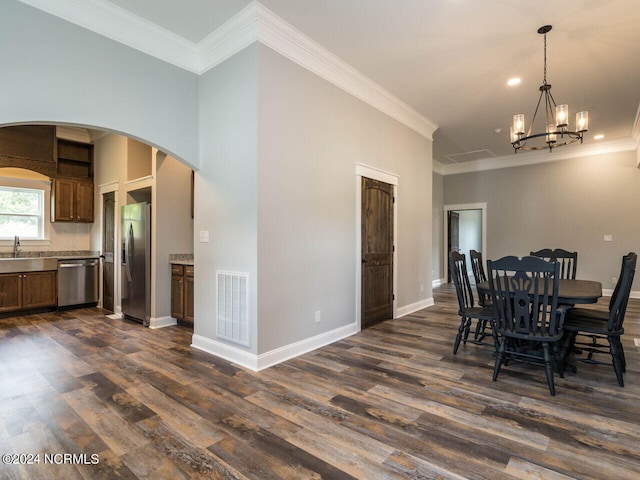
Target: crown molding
x=297, y=47
x=253, y=23
x=542, y=156
x=231, y=37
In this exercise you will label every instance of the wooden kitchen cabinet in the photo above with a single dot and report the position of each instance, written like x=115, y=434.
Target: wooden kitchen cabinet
x=10, y=291
x=188, y=294
x=22, y=291
x=177, y=291
x=29, y=146
x=39, y=289
x=182, y=294
x=72, y=200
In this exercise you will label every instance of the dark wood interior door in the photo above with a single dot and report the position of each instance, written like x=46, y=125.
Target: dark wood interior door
x=108, y=232
x=377, y=252
x=453, y=240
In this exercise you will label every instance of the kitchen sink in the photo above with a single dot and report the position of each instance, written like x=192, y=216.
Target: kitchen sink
x=38, y=264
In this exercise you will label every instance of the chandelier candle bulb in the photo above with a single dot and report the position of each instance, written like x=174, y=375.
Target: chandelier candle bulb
x=562, y=115
x=551, y=133
x=582, y=121
x=518, y=124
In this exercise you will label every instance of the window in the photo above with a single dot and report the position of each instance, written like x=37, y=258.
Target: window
x=21, y=213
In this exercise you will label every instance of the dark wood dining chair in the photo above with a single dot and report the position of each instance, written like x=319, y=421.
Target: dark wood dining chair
x=568, y=260
x=477, y=267
x=603, y=328
x=466, y=306
x=525, y=298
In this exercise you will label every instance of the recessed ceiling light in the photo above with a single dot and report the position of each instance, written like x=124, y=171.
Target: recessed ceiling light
x=598, y=137
x=514, y=81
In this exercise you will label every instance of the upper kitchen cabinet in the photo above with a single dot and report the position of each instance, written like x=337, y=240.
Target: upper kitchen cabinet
x=72, y=200
x=32, y=147
x=75, y=159
x=73, y=190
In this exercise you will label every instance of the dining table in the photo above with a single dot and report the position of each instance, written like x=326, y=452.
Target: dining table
x=570, y=292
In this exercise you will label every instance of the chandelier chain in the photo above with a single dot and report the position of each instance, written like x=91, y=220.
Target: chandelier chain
x=545, y=59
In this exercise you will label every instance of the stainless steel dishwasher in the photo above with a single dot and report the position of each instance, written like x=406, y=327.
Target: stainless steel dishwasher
x=77, y=281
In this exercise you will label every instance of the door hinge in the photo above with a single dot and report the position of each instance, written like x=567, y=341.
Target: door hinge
x=393, y=296
x=393, y=249
x=394, y=199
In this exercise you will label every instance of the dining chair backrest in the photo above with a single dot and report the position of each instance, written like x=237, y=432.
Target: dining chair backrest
x=478, y=274
x=460, y=277
x=621, y=293
x=477, y=267
x=525, y=297
x=568, y=260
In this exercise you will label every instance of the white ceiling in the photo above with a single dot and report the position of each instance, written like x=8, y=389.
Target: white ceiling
x=450, y=59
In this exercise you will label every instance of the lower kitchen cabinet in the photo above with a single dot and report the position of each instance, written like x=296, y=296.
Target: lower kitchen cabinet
x=182, y=293
x=22, y=291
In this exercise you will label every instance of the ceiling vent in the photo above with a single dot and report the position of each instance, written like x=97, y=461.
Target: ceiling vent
x=470, y=156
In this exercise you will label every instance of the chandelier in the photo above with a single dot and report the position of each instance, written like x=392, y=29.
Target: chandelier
x=557, y=133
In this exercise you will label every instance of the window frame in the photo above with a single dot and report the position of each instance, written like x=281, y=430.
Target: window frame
x=44, y=188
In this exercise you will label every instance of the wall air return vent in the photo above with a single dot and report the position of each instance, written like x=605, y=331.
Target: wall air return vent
x=233, y=307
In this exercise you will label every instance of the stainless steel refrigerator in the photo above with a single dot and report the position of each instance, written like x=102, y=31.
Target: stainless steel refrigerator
x=136, y=262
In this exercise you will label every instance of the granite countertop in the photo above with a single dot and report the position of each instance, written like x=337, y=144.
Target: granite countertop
x=181, y=258
x=62, y=254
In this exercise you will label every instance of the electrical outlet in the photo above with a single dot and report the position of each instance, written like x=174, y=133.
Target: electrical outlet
x=318, y=316
x=614, y=280
x=421, y=287
x=608, y=238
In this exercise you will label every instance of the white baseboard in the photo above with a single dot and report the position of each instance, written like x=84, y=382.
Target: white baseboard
x=609, y=292
x=414, y=307
x=115, y=316
x=260, y=362
x=437, y=282
x=161, y=322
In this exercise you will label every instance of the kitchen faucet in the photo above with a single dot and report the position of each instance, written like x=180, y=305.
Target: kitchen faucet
x=16, y=247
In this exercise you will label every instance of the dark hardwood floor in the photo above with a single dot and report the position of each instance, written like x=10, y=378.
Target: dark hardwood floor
x=390, y=402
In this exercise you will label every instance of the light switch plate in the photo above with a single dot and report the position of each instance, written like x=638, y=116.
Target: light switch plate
x=608, y=238
x=204, y=236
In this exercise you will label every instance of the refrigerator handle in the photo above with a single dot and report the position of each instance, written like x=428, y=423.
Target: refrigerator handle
x=127, y=250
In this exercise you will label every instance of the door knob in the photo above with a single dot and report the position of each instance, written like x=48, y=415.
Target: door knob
x=364, y=260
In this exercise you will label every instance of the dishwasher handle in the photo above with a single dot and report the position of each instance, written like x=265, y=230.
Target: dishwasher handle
x=77, y=265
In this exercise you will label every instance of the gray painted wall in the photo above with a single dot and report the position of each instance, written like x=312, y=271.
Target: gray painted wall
x=227, y=186
x=569, y=204
x=56, y=72
x=310, y=136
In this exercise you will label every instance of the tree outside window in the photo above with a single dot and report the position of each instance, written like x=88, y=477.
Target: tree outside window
x=21, y=213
